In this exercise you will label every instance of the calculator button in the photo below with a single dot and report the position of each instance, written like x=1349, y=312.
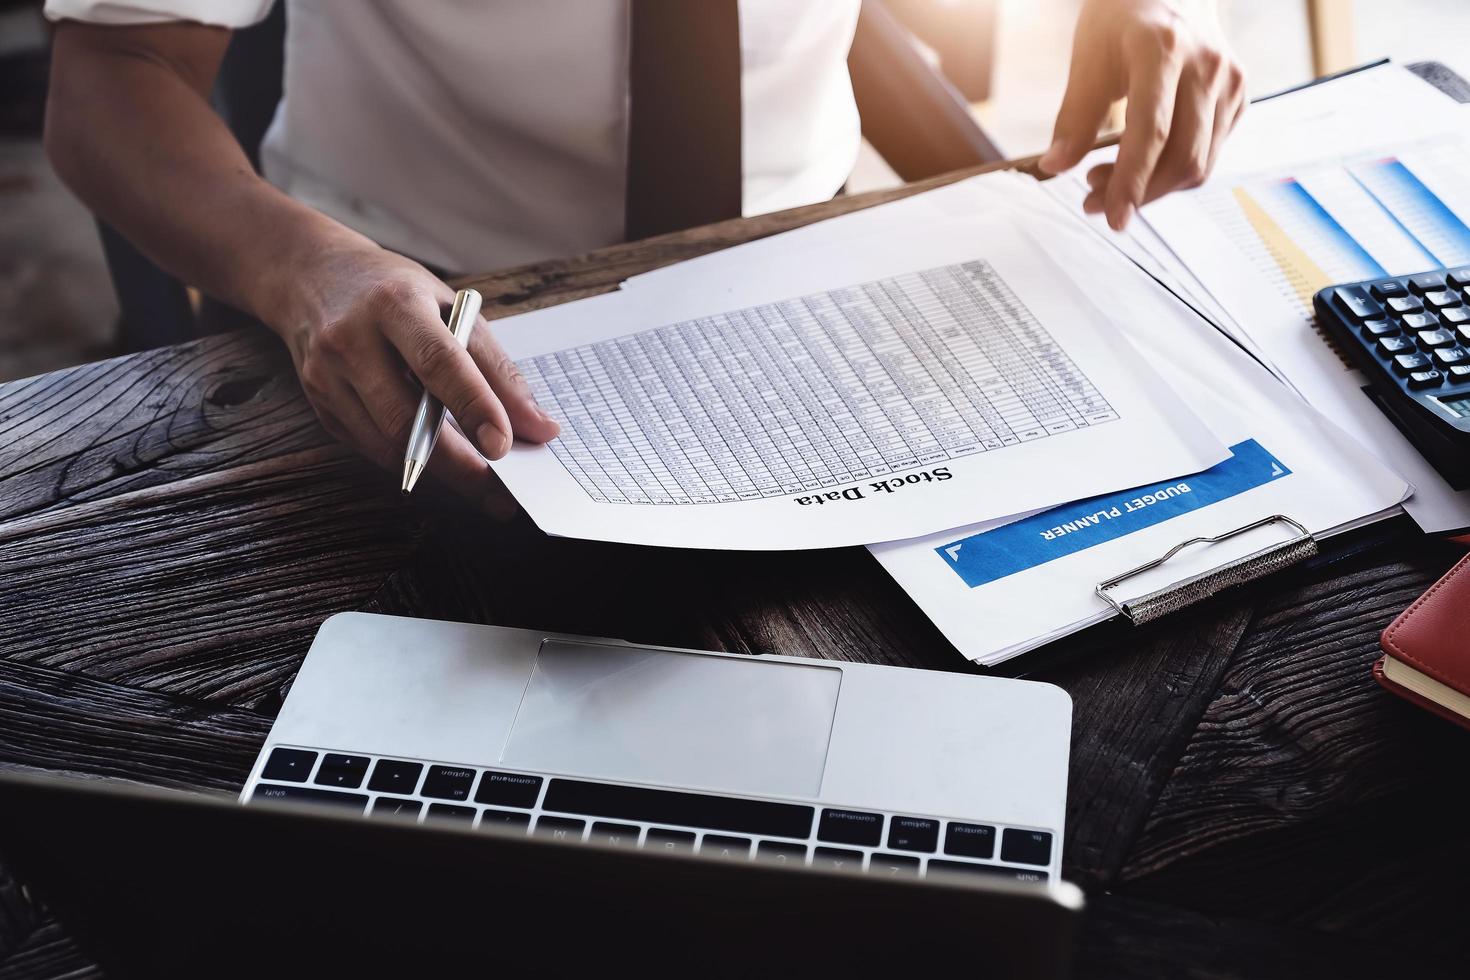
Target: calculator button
x=1435, y=338
x=1440, y=298
x=1404, y=304
x=1373, y=329
x=1450, y=356
x=1460, y=373
x=1407, y=363
x=1389, y=287
x=1428, y=282
x=1464, y=331
x=1418, y=321
x=1455, y=315
x=1426, y=379
x=1460, y=277
x=1389, y=346
x=1358, y=304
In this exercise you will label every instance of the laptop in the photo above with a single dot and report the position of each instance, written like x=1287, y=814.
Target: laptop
x=436, y=795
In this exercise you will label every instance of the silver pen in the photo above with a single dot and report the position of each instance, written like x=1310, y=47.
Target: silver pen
x=430, y=416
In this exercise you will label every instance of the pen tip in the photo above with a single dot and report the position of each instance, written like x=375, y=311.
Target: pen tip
x=411, y=470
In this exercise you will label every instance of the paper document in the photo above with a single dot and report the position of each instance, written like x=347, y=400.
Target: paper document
x=1263, y=244
x=881, y=390
x=1000, y=589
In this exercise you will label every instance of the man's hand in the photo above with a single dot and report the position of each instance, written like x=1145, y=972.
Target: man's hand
x=1185, y=93
x=130, y=129
x=361, y=324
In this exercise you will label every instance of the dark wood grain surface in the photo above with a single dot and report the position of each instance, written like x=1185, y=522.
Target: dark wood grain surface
x=1244, y=801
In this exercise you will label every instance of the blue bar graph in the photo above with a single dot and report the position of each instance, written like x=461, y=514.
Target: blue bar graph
x=1420, y=212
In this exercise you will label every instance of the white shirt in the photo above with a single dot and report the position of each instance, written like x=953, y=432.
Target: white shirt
x=479, y=135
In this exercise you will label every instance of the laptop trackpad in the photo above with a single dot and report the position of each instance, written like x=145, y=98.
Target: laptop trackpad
x=685, y=719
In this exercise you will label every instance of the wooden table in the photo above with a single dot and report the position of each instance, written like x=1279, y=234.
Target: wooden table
x=174, y=525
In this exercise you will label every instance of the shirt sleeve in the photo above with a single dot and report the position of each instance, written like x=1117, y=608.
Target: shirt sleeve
x=216, y=13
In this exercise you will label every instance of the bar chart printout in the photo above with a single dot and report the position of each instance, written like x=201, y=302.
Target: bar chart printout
x=814, y=393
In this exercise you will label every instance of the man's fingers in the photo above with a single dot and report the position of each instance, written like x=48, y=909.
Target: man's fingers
x=1185, y=161
x=1084, y=108
x=411, y=321
x=1227, y=112
x=528, y=420
x=343, y=415
x=1153, y=80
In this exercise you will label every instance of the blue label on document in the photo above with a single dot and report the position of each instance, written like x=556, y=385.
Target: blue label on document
x=1075, y=527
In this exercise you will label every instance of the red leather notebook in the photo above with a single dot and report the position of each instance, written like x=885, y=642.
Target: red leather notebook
x=1427, y=649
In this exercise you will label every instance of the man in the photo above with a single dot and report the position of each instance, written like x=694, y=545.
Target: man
x=478, y=136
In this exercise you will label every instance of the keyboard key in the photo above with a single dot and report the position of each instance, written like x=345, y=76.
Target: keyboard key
x=1440, y=298
x=851, y=827
x=1389, y=346
x=759, y=818
x=938, y=866
x=1408, y=363
x=1357, y=303
x=893, y=865
x=390, y=776
x=1460, y=277
x=508, y=789
x=659, y=839
x=1426, y=283
x=1404, y=304
x=1373, y=329
x=1450, y=356
x=1427, y=338
x=1455, y=315
x=729, y=848
x=780, y=852
x=1025, y=846
x=1418, y=321
x=837, y=859
x=1389, y=287
x=305, y=794
x=343, y=771
x=913, y=834
x=508, y=820
x=289, y=765
x=616, y=834
x=392, y=807
x=449, y=813
x=1426, y=379
x=969, y=840
x=448, y=783
x=561, y=828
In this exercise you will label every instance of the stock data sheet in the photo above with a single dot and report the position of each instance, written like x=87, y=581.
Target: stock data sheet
x=891, y=388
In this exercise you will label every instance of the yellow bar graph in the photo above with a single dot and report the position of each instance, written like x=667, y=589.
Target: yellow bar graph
x=1303, y=275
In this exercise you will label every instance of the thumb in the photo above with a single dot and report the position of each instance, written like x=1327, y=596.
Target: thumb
x=1084, y=108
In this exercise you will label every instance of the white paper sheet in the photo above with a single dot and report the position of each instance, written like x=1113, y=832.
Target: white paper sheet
x=1262, y=243
x=1305, y=468
x=882, y=389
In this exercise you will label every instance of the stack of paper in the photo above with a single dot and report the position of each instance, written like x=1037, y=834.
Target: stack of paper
x=876, y=387
x=1358, y=177
x=995, y=394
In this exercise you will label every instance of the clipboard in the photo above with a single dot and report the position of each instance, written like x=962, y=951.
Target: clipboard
x=1302, y=546
x=1196, y=588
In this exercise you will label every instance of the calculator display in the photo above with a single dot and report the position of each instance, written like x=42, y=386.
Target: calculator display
x=1460, y=405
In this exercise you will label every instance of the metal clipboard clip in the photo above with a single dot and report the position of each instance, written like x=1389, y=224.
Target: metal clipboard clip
x=1197, y=588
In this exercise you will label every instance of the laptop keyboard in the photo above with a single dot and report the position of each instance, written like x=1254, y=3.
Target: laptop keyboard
x=716, y=825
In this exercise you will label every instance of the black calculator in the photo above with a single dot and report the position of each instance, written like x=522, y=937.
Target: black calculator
x=1411, y=336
